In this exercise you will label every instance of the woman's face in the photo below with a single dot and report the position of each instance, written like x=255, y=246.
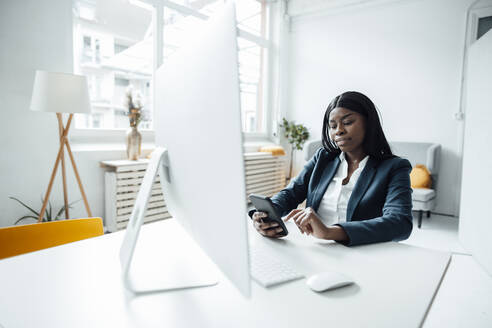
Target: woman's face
x=347, y=129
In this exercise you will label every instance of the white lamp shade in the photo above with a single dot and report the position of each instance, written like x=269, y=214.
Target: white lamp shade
x=60, y=93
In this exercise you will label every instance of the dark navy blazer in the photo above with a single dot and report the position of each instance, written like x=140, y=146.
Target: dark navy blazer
x=380, y=207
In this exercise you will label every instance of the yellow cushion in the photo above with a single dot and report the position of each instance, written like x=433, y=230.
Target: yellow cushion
x=275, y=150
x=420, y=177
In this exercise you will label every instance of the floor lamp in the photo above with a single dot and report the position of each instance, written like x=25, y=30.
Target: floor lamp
x=61, y=93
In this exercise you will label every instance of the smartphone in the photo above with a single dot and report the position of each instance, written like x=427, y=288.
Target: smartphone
x=264, y=204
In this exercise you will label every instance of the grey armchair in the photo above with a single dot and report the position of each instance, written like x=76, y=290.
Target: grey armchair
x=423, y=200
x=429, y=154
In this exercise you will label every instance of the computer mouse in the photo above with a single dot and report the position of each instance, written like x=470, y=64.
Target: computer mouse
x=328, y=280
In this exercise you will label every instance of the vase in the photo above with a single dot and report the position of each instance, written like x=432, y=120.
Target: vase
x=133, y=143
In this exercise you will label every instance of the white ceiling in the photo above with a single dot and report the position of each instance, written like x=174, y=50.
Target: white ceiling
x=303, y=7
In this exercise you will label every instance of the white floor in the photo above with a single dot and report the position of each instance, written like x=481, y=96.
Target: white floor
x=464, y=298
x=438, y=232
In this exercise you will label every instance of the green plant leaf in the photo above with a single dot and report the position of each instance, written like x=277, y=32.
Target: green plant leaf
x=69, y=205
x=48, y=215
x=296, y=134
x=30, y=209
x=26, y=217
x=60, y=212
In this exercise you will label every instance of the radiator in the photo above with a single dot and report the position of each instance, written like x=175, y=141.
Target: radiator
x=265, y=174
x=122, y=184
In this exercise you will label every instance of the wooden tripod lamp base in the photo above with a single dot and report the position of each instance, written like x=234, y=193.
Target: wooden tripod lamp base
x=61, y=93
x=63, y=131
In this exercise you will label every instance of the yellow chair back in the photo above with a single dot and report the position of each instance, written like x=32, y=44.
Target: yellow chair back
x=27, y=238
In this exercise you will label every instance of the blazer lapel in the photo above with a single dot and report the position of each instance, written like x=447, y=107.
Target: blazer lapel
x=325, y=180
x=361, y=186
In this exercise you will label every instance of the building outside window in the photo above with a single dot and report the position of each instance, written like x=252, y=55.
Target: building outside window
x=114, y=47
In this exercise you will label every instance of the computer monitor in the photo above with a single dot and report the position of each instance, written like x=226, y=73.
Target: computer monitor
x=200, y=152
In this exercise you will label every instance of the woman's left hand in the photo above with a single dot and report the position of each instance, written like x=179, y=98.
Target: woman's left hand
x=308, y=222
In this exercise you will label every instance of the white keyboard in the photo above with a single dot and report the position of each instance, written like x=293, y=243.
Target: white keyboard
x=267, y=270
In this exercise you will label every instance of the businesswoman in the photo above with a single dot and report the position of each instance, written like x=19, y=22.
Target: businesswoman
x=356, y=190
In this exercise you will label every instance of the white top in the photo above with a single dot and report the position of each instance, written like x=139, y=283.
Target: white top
x=333, y=206
x=79, y=285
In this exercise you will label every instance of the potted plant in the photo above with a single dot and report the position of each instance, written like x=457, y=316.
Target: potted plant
x=50, y=215
x=296, y=135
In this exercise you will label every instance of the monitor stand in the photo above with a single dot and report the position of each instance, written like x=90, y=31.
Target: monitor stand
x=171, y=260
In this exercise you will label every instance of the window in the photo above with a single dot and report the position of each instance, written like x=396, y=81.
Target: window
x=484, y=25
x=182, y=15
x=251, y=62
x=480, y=22
x=114, y=45
x=111, y=50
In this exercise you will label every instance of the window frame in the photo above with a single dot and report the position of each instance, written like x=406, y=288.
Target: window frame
x=88, y=136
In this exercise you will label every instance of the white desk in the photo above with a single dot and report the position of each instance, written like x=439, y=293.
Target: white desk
x=464, y=298
x=79, y=285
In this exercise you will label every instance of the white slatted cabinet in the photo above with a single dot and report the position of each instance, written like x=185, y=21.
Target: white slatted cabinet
x=122, y=183
x=265, y=174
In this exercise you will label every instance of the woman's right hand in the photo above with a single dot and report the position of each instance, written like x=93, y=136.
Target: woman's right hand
x=267, y=229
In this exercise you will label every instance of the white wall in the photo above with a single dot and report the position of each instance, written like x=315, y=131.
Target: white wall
x=405, y=55
x=33, y=36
